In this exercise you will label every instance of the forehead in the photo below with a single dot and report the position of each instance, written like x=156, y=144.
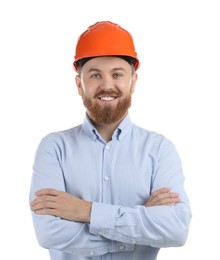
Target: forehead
x=106, y=64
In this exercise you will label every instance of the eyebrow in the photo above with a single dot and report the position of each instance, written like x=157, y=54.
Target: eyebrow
x=119, y=68
x=94, y=70
x=98, y=70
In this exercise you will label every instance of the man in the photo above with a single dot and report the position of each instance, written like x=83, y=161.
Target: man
x=108, y=189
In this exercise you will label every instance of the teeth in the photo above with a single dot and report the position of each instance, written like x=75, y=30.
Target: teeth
x=107, y=98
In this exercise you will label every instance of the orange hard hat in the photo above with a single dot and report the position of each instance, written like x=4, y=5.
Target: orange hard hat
x=105, y=39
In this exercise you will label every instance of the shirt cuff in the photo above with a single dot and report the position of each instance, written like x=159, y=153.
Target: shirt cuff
x=102, y=218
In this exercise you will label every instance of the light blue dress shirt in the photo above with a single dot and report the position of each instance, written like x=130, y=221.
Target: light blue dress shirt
x=118, y=177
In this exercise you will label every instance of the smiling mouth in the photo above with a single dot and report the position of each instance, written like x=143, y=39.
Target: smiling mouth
x=107, y=98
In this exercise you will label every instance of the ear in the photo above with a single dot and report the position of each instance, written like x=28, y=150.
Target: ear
x=78, y=84
x=133, y=83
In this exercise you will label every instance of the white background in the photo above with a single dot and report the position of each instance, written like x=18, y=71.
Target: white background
x=178, y=44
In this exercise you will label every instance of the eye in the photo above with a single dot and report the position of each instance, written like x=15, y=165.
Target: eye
x=96, y=76
x=117, y=75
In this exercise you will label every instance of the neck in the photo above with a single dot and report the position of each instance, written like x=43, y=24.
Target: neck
x=106, y=130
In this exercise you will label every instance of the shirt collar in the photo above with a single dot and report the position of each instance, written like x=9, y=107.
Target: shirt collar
x=123, y=128
x=89, y=128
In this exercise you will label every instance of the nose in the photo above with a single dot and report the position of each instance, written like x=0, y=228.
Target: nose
x=107, y=83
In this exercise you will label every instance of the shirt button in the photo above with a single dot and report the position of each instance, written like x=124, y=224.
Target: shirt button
x=121, y=247
x=100, y=232
x=133, y=241
x=108, y=147
x=106, y=178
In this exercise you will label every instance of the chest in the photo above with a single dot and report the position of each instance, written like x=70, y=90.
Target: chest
x=109, y=173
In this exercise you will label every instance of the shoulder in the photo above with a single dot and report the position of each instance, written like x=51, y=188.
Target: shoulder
x=147, y=134
x=152, y=139
x=60, y=138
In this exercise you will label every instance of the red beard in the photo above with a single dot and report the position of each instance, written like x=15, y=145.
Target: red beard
x=105, y=115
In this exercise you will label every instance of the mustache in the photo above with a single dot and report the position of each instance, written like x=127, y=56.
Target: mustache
x=108, y=93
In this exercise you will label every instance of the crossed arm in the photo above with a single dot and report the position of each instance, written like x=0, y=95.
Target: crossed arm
x=160, y=221
x=64, y=205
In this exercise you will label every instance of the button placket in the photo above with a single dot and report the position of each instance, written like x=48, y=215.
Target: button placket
x=106, y=173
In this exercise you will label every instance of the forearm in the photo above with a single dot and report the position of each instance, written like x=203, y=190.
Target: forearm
x=68, y=236
x=159, y=226
x=69, y=207
x=55, y=232
x=60, y=223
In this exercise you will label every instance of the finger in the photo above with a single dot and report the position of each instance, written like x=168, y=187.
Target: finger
x=46, y=211
x=170, y=204
x=167, y=201
x=48, y=191
x=156, y=196
x=43, y=198
x=43, y=205
x=157, y=193
x=173, y=195
x=161, y=191
x=162, y=198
